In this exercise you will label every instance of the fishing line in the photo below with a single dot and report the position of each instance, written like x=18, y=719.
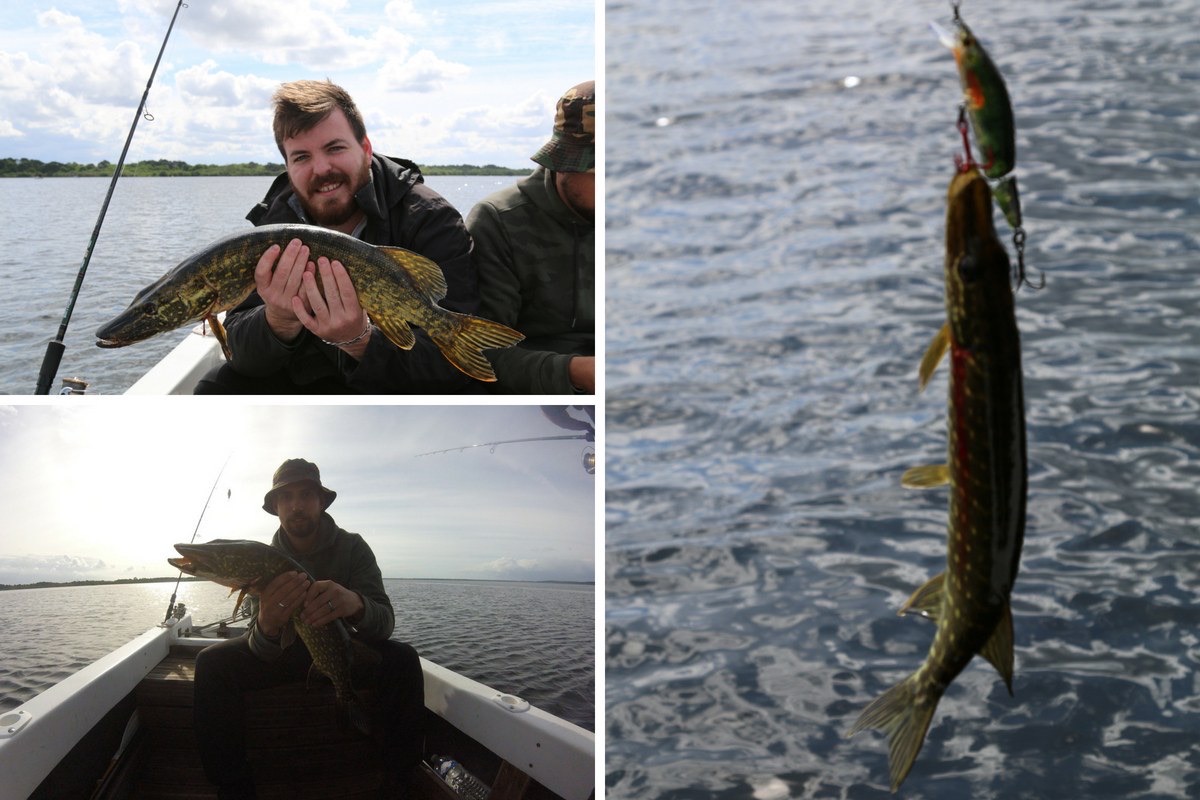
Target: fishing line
x=56, y=347
x=179, y=577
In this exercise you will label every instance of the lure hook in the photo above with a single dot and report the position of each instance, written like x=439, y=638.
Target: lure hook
x=1019, y=245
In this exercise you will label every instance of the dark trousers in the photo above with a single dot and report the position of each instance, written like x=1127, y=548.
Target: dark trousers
x=227, y=669
x=224, y=379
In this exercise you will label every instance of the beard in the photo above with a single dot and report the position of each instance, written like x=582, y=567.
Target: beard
x=333, y=211
x=299, y=525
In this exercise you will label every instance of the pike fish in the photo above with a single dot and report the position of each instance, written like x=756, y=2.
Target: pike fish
x=247, y=565
x=397, y=287
x=986, y=473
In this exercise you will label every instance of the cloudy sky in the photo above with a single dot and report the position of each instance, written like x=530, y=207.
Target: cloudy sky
x=102, y=490
x=446, y=82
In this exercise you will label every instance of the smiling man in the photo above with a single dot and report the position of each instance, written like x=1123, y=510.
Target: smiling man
x=289, y=336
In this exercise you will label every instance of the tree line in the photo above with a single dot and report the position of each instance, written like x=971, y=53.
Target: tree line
x=161, y=167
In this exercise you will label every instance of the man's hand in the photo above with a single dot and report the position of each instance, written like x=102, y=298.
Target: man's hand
x=326, y=601
x=280, y=600
x=331, y=310
x=278, y=285
x=581, y=371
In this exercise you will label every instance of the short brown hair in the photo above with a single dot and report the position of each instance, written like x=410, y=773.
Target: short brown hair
x=301, y=105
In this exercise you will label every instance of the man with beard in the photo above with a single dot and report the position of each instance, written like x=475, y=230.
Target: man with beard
x=288, y=336
x=346, y=585
x=535, y=246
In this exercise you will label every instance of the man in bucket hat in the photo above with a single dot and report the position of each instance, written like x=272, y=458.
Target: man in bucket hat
x=535, y=246
x=347, y=585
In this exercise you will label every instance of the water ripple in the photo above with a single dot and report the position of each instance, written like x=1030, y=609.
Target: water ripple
x=773, y=276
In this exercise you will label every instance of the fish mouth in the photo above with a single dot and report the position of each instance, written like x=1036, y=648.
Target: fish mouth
x=185, y=563
x=109, y=343
x=191, y=560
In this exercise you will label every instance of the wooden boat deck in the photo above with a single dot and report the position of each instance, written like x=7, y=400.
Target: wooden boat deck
x=293, y=744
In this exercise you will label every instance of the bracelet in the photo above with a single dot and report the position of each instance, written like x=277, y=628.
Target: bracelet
x=355, y=340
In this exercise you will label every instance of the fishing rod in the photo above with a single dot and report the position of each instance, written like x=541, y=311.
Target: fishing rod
x=179, y=577
x=56, y=347
x=589, y=437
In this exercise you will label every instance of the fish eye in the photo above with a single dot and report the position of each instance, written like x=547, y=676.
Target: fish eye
x=968, y=268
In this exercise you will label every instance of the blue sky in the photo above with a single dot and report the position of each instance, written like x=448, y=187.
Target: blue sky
x=103, y=489
x=447, y=82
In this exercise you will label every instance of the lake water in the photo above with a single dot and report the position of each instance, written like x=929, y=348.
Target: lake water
x=534, y=640
x=775, y=197
x=152, y=224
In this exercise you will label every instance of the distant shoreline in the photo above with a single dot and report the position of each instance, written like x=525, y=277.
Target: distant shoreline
x=4, y=587
x=163, y=168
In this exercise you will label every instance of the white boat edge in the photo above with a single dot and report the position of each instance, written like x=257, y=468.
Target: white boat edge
x=37, y=735
x=181, y=368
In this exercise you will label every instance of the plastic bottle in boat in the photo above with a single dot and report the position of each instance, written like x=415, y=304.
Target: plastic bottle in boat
x=457, y=777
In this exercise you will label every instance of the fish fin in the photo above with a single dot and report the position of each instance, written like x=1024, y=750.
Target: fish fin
x=927, y=600
x=425, y=273
x=905, y=721
x=287, y=635
x=929, y=476
x=397, y=331
x=464, y=341
x=238, y=604
x=222, y=338
x=934, y=354
x=999, y=648
x=354, y=717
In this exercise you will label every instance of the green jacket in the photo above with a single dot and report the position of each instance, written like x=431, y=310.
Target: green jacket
x=344, y=558
x=536, y=260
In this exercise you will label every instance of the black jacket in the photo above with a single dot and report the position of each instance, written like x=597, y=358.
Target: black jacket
x=401, y=212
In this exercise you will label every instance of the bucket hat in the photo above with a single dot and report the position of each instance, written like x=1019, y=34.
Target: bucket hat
x=572, y=145
x=297, y=470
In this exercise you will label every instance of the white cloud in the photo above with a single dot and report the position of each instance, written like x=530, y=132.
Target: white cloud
x=404, y=14
x=478, y=88
x=422, y=73
x=205, y=84
x=533, y=569
x=286, y=32
x=58, y=568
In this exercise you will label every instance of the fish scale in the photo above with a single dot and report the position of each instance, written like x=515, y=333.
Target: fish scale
x=396, y=287
x=986, y=472
x=245, y=565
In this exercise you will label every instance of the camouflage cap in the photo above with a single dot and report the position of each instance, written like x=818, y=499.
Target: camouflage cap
x=572, y=145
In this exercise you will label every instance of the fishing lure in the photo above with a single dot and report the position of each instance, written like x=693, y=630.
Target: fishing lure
x=986, y=102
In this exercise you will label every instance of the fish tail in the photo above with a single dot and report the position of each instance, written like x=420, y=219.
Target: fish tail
x=357, y=718
x=351, y=715
x=463, y=343
x=903, y=713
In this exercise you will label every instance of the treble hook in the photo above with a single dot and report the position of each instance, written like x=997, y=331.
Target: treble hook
x=954, y=4
x=1019, y=246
